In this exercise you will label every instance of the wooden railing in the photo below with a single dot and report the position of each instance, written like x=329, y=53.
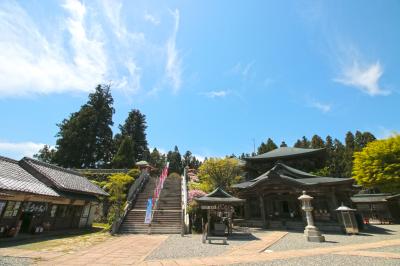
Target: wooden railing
x=133, y=192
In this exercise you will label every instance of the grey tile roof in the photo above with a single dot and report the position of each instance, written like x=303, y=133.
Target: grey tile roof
x=14, y=178
x=219, y=196
x=65, y=179
x=290, y=174
x=283, y=153
x=373, y=198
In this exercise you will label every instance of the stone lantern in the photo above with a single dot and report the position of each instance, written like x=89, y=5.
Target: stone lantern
x=348, y=219
x=311, y=232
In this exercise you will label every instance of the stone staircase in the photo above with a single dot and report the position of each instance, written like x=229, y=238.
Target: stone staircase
x=167, y=217
x=134, y=220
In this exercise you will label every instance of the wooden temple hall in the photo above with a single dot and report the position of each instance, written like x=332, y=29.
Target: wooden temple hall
x=272, y=196
x=37, y=197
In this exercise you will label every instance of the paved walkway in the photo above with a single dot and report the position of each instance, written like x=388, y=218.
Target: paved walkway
x=257, y=246
x=133, y=249
x=263, y=257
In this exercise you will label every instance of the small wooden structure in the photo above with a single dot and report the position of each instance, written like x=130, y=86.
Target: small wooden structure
x=219, y=205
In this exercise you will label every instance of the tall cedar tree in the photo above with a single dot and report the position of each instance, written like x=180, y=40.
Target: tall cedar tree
x=157, y=160
x=135, y=128
x=85, y=138
x=125, y=157
x=190, y=160
x=175, y=161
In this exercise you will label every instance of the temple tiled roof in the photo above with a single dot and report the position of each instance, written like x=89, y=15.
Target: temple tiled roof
x=219, y=196
x=292, y=175
x=373, y=198
x=14, y=178
x=64, y=179
x=284, y=153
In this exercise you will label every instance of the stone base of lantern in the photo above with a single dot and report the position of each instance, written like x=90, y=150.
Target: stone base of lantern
x=313, y=234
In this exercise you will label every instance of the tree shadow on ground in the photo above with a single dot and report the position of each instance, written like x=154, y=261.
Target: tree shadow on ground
x=24, y=239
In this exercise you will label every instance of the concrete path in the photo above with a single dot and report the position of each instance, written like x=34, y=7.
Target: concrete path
x=123, y=250
x=133, y=249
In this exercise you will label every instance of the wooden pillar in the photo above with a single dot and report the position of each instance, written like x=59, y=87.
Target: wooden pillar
x=264, y=221
x=246, y=210
x=334, y=214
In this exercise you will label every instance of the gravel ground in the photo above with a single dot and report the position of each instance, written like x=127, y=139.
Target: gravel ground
x=377, y=233
x=15, y=261
x=328, y=260
x=191, y=246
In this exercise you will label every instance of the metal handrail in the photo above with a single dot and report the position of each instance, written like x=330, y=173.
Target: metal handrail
x=184, y=200
x=156, y=195
x=133, y=192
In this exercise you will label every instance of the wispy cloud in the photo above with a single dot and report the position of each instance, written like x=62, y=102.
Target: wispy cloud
x=364, y=77
x=89, y=44
x=384, y=133
x=43, y=66
x=216, y=94
x=243, y=70
x=17, y=150
x=173, y=67
x=151, y=18
x=323, y=107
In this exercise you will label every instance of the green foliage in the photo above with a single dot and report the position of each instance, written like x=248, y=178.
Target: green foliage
x=46, y=154
x=134, y=128
x=191, y=161
x=222, y=173
x=117, y=186
x=157, y=160
x=175, y=161
x=125, y=157
x=135, y=173
x=85, y=138
x=266, y=147
x=378, y=165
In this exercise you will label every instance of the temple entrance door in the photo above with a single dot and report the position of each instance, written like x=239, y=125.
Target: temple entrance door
x=26, y=218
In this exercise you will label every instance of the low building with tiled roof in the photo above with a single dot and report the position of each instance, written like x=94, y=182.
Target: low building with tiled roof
x=36, y=197
x=272, y=197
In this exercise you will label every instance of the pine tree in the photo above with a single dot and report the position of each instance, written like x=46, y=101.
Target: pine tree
x=266, y=147
x=283, y=144
x=85, y=138
x=317, y=142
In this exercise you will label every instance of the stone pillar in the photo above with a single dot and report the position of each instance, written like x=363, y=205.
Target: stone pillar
x=264, y=221
x=311, y=232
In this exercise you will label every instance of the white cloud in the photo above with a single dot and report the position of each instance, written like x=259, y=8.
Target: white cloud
x=363, y=77
x=325, y=108
x=216, y=94
x=174, y=63
x=36, y=64
x=17, y=150
x=151, y=18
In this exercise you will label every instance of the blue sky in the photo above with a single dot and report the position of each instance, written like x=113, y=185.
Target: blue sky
x=211, y=76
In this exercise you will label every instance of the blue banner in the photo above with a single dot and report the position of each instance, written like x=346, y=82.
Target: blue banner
x=147, y=218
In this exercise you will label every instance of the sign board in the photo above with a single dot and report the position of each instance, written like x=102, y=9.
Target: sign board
x=208, y=207
x=147, y=218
